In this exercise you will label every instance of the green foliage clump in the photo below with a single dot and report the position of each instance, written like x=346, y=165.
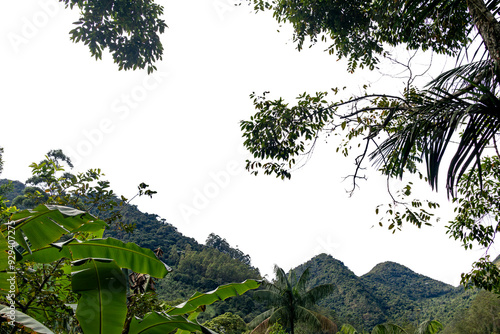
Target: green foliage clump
x=227, y=323
x=223, y=246
x=359, y=29
x=205, y=270
x=210, y=268
x=130, y=30
x=482, y=317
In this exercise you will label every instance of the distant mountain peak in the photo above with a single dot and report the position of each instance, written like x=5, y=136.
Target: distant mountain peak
x=400, y=278
x=388, y=266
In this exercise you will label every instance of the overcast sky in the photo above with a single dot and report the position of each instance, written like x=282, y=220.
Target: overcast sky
x=178, y=131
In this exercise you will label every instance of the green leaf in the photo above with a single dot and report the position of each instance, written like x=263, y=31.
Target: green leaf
x=102, y=307
x=127, y=255
x=221, y=293
x=24, y=320
x=5, y=284
x=4, y=248
x=429, y=327
x=47, y=223
x=157, y=323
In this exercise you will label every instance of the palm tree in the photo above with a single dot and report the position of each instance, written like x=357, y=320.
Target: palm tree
x=291, y=303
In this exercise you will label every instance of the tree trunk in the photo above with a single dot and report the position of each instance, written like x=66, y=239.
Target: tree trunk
x=488, y=27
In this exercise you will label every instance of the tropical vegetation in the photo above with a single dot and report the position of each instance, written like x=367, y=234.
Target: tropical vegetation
x=60, y=275
x=291, y=303
x=70, y=262
x=389, y=293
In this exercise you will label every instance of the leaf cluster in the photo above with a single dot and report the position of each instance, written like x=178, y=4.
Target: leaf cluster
x=358, y=30
x=129, y=29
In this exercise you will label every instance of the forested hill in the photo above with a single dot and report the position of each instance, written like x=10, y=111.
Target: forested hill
x=390, y=292
x=352, y=301
x=396, y=277
x=196, y=267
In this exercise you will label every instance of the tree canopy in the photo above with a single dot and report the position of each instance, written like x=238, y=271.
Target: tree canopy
x=223, y=246
x=400, y=133
x=129, y=29
x=359, y=29
x=417, y=125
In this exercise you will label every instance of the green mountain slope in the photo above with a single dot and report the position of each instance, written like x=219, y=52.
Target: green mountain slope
x=390, y=292
x=396, y=277
x=408, y=297
x=353, y=302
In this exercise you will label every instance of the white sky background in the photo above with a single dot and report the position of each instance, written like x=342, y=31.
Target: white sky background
x=178, y=131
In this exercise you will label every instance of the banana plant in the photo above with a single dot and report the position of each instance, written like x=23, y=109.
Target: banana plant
x=58, y=233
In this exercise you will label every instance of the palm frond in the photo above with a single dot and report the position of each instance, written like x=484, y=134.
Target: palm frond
x=317, y=293
x=301, y=283
x=281, y=315
x=307, y=317
x=281, y=279
x=262, y=327
x=461, y=100
x=453, y=80
x=270, y=297
x=258, y=320
x=327, y=325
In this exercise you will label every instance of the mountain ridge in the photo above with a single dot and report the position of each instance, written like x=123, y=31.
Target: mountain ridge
x=389, y=292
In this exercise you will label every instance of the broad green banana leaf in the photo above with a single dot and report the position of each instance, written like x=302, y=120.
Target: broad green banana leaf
x=8, y=283
x=47, y=223
x=4, y=256
x=193, y=316
x=158, y=323
x=24, y=320
x=5, y=269
x=221, y=293
x=102, y=306
x=127, y=255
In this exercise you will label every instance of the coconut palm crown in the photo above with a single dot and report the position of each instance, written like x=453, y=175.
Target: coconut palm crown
x=291, y=303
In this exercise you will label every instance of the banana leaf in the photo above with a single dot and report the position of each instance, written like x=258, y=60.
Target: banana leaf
x=47, y=223
x=221, y=293
x=158, y=323
x=127, y=255
x=24, y=320
x=102, y=306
